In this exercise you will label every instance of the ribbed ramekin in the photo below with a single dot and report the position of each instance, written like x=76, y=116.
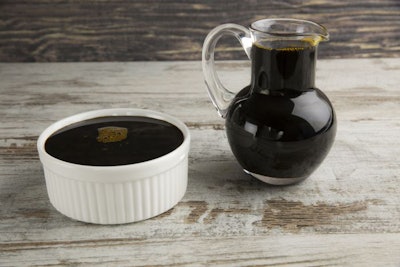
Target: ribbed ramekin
x=116, y=194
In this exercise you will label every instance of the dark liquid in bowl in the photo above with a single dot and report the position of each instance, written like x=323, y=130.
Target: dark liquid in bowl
x=114, y=140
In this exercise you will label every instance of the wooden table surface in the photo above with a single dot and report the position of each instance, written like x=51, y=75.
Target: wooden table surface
x=346, y=214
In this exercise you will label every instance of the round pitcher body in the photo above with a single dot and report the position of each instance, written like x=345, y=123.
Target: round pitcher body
x=281, y=138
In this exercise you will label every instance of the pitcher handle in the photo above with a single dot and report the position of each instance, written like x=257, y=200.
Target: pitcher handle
x=219, y=94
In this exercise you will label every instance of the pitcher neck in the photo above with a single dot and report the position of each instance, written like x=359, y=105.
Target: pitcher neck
x=283, y=69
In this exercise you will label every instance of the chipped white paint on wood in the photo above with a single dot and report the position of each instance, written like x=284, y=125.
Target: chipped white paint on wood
x=346, y=213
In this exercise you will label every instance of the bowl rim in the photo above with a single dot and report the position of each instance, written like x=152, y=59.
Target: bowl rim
x=141, y=169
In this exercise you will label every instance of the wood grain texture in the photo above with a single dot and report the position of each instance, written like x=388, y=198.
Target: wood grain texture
x=99, y=30
x=346, y=214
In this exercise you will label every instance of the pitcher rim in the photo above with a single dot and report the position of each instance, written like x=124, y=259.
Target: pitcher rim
x=322, y=31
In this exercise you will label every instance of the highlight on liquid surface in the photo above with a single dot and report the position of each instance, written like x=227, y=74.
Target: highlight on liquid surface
x=114, y=140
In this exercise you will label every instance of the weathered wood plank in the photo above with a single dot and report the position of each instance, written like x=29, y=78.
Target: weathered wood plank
x=346, y=213
x=302, y=250
x=98, y=30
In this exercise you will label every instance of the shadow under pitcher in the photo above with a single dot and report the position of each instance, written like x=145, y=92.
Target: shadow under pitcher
x=281, y=127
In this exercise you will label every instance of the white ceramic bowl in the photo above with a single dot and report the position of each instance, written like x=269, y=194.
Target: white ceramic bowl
x=116, y=194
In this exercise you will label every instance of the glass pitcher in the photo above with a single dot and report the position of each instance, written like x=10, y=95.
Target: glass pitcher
x=280, y=127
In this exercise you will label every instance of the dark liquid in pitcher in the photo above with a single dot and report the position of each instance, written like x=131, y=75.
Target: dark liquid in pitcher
x=281, y=126
x=283, y=68
x=114, y=140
